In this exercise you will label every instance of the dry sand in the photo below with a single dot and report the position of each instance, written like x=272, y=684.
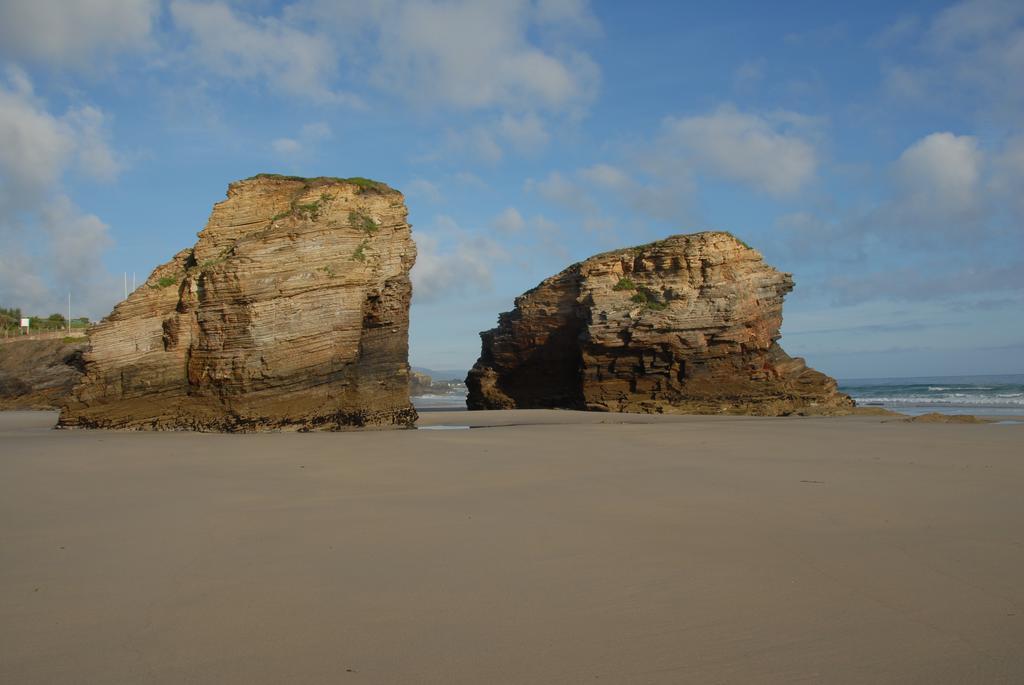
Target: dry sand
x=567, y=548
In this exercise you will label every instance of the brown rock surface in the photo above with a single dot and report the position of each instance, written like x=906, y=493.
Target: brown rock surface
x=688, y=324
x=39, y=374
x=291, y=312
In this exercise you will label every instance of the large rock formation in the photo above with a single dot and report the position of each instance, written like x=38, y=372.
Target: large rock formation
x=39, y=374
x=688, y=324
x=291, y=312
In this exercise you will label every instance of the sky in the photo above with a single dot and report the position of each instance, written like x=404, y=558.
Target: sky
x=875, y=152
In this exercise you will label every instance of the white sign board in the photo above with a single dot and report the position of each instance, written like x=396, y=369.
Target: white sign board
x=24, y=323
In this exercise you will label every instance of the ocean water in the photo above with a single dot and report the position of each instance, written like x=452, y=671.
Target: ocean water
x=1001, y=395
x=454, y=400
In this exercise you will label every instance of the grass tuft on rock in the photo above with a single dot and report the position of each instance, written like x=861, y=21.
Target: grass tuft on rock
x=360, y=252
x=164, y=282
x=363, y=222
x=648, y=299
x=624, y=284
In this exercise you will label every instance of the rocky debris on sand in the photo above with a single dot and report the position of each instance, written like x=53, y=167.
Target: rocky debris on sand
x=688, y=324
x=290, y=312
x=936, y=417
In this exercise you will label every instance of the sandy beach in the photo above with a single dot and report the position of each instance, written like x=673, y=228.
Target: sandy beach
x=546, y=547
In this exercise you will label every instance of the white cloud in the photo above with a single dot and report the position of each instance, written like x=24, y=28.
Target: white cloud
x=660, y=192
x=936, y=189
x=938, y=281
x=478, y=142
x=468, y=178
x=767, y=153
x=748, y=74
x=559, y=189
x=524, y=134
x=939, y=176
x=904, y=83
x=664, y=195
x=49, y=245
x=474, y=54
x=68, y=33
x=59, y=252
x=309, y=135
x=518, y=61
x=316, y=132
x=423, y=188
x=467, y=54
x=76, y=245
x=286, y=146
x=567, y=14
x=656, y=179
x=21, y=284
x=36, y=147
x=261, y=49
x=549, y=234
x=1008, y=176
x=965, y=23
x=897, y=33
x=451, y=261
x=947, y=224
x=968, y=55
x=95, y=157
x=510, y=221
x=606, y=176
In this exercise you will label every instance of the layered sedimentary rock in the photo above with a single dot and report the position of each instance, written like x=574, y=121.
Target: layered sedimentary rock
x=688, y=324
x=39, y=374
x=291, y=312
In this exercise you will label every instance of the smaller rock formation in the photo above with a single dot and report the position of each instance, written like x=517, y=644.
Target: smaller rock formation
x=39, y=374
x=420, y=383
x=688, y=324
x=423, y=384
x=291, y=312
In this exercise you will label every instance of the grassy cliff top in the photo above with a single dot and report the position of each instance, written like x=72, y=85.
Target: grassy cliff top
x=364, y=184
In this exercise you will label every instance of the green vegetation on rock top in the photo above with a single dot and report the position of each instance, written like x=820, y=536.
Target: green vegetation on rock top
x=364, y=184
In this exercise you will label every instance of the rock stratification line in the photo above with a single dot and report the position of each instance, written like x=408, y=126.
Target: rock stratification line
x=291, y=312
x=688, y=324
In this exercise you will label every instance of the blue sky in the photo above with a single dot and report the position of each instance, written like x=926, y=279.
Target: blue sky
x=877, y=153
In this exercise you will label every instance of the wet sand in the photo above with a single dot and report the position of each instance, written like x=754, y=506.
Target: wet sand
x=558, y=547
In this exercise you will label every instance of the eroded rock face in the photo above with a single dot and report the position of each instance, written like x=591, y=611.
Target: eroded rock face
x=39, y=374
x=688, y=324
x=291, y=312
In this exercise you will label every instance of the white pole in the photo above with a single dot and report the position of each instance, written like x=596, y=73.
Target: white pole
x=69, y=312
x=126, y=285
